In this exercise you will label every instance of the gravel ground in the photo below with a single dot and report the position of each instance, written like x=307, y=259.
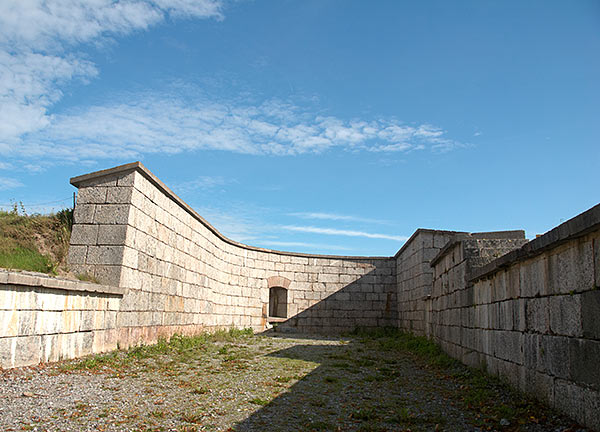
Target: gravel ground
x=265, y=383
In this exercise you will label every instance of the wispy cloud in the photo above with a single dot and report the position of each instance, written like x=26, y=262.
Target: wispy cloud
x=9, y=183
x=305, y=245
x=38, y=49
x=40, y=54
x=170, y=123
x=335, y=217
x=200, y=183
x=340, y=232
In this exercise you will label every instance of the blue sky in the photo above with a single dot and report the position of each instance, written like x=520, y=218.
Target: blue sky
x=313, y=126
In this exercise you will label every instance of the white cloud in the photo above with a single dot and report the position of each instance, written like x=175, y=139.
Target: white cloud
x=9, y=183
x=335, y=217
x=171, y=123
x=348, y=233
x=38, y=49
x=39, y=55
x=291, y=244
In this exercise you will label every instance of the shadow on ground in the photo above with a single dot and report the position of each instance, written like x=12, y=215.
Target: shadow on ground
x=358, y=388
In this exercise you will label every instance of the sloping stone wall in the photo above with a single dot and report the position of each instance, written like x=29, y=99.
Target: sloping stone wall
x=181, y=273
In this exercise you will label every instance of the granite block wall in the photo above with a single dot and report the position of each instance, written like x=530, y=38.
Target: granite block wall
x=529, y=316
x=45, y=319
x=181, y=273
x=414, y=278
x=526, y=311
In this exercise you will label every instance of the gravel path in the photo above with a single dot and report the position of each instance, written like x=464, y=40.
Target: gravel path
x=264, y=383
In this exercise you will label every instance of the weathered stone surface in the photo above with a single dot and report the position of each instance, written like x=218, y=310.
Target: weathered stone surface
x=565, y=315
x=590, y=314
x=584, y=355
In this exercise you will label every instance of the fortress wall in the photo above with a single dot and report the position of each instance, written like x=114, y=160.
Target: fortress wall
x=526, y=311
x=414, y=277
x=46, y=319
x=530, y=316
x=181, y=275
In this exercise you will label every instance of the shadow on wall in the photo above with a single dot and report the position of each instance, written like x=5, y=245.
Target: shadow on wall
x=369, y=302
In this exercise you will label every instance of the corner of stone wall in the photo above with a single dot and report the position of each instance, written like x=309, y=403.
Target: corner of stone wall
x=101, y=241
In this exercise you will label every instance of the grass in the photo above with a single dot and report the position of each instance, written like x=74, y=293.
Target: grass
x=165, y=354
x=34, y=242
x=479, y=390
x=374, y=381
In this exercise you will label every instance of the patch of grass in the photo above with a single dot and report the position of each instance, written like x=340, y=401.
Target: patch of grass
x=179, y=350
x=366, y=413
x=199, y=390
x=281, y=379
x=34, y=242
x=331, y=379
x=392, y=339
x=319, y=426
x=191, y=417
x=84, y=277
x=259, y=401
x=20, y=258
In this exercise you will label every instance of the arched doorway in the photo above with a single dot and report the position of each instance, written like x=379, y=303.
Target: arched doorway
x=278, y=302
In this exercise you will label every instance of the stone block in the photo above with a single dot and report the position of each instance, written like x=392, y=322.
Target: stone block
x=591, y=408
x=119, y=195
x=27, y=322
x=84, y=213
x=109, y=214
x=84, y=234
x=91, y=195
x=533, y=277
x=538, y=385
x=77, y=255
x=26, y=351
x=565, y=314
x=70, y=321
x=584, y=362
x=554, y=356
x=597, y=261
x=48, y=322
x=590, y=314
x=575, y=268
x=537, y=312
x=112, y=234
x=9, y=323
x=508, y=345
x=109, y=274
x=568, y=398
x=105, y=255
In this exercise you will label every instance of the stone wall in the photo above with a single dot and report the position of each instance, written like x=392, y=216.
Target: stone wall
x=414, y=277
x=527, y=311
x=45, y=319
x=181, y=275
x=530, y=316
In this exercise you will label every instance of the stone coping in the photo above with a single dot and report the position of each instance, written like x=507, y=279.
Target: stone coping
x=423, y=230
x=138, y=166
x=578, y=226
x=491, y=235
x=41, y=280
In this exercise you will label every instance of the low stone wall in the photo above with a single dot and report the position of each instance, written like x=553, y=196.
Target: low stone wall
x=530, y=316
x=45, y=319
